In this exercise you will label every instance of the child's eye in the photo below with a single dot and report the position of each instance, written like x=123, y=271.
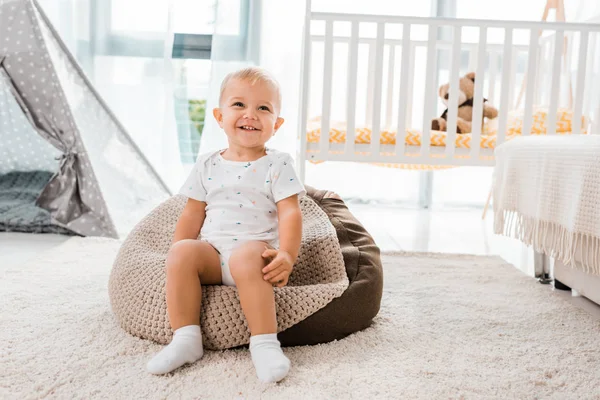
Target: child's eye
x=238, y=104
x=264, y=108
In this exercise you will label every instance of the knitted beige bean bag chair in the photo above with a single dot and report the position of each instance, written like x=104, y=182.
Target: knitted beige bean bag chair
x=137, y=281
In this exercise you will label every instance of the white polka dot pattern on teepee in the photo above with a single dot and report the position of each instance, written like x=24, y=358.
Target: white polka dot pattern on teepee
x=21, y=147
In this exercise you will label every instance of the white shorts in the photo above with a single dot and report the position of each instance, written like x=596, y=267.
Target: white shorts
x=226, y=278
x=224, y=255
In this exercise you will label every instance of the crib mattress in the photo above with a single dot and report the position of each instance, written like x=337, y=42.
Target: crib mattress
x=337, y=132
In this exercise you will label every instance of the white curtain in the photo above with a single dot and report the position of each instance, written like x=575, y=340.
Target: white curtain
x=127, y=57
x=281, y=53
x=225, y=58
x=168, y=157
x=273, y=42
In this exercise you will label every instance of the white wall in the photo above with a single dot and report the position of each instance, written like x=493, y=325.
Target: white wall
x=582, y=10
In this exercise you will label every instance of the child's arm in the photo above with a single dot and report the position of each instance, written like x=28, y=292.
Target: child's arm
x=190, y=221
x=290, y=235
x=290, y=226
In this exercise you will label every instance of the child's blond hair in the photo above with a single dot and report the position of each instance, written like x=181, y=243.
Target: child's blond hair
x=253, y=75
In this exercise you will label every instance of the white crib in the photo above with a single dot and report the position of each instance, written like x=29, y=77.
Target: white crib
x=379, y=69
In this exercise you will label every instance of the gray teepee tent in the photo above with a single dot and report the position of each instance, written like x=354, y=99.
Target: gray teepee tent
x=66, y=163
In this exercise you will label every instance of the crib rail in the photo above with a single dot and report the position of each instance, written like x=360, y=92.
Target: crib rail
x=380, y=70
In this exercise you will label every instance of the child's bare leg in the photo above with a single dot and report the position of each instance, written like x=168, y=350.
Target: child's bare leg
x=258, y=304
x=189, y=263
x=256, y=294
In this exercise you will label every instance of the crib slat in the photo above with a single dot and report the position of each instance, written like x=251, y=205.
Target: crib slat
x=376, y=131
x=430, y=91
x=403, y=99
x=351, y=103
x=558, y=49
x=544, y=81
x=390, y=86
x=548, y=71
x=327, y=81
x=305, y=85
x=478, y=98
x=582, y=62
x=507, y=75
x=512, y=102
x=493, y=71
x=531, y=80
x=370, y=84
x=594, y=84
x=542, y=70
x=410, y=90
x=453, y=95
x=567, y=64
x=587, y=104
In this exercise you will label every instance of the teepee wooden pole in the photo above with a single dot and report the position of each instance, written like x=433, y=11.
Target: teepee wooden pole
x=559, y=6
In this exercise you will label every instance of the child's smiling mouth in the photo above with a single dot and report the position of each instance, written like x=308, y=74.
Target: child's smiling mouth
x=248, y=128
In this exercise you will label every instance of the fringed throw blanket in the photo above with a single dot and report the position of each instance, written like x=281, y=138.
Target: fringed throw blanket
x=547, y=194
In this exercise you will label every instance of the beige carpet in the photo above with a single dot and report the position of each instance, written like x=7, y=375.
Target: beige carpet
x=450, y=327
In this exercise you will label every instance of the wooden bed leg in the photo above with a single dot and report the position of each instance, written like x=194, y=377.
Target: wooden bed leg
x=487, y=203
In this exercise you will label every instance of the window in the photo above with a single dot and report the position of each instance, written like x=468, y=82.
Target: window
x=124, y=48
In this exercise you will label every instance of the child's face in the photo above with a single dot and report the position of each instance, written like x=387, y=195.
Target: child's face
x=248, y=113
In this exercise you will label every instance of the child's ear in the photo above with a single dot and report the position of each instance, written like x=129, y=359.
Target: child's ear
x=218, y=116
x=278, y=123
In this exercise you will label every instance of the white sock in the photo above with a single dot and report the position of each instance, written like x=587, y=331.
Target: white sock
x=185, y=347
x=269, y=361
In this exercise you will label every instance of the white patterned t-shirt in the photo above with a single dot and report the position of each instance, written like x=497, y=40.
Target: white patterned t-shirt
x=241, y=196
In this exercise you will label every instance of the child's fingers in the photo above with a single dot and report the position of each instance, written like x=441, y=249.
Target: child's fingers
x=281, y=277
x=282, y=283
x=273, y=271
x=269, y=253
x=272, y=265
x=281, y=268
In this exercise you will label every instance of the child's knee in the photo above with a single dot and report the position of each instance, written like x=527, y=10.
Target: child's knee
x=177, y=253
x=183, y=254
x=246, y=262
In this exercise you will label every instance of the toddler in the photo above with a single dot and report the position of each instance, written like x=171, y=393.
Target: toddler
x=243, y=201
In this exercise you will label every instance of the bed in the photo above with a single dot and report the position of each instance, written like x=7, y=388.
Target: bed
x=546, y=195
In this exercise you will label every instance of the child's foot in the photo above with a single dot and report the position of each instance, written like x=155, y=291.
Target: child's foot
x=269, y=361
x=185, y=347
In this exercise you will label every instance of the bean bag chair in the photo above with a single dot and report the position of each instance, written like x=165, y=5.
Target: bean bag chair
x=322, y=274
x=355, y=309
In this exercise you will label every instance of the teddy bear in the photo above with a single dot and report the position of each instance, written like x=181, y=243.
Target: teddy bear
x=465, y=106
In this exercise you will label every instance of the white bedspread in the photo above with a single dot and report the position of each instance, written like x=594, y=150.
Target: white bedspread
x=547, y=194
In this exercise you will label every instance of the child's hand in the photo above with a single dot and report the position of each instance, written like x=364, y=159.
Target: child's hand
x=278, y=271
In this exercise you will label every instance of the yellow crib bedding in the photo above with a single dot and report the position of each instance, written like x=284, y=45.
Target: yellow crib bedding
x=564, y=119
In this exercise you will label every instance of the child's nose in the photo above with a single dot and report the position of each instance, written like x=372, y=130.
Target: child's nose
x=250, y=114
